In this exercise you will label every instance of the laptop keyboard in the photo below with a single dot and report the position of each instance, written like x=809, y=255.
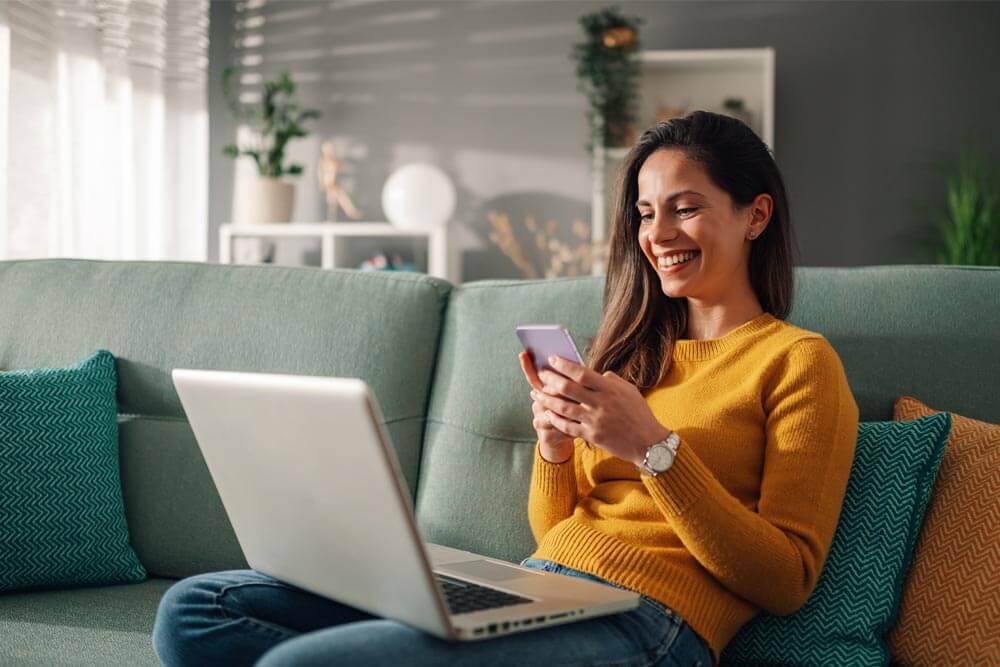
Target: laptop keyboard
x=464, y=596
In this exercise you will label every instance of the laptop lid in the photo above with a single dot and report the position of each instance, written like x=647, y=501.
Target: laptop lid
x=288, y=455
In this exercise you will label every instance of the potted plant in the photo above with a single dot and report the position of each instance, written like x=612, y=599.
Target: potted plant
x=970, y=229
x=608, y=74
x=275, y=120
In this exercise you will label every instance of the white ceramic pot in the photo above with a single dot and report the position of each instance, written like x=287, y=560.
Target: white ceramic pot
x=259, y=199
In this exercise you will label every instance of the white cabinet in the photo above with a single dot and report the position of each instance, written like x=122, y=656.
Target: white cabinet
x=692, y=79
x=341, y=241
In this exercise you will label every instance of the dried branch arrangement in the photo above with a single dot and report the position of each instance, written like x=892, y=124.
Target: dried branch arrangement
x=562, y=259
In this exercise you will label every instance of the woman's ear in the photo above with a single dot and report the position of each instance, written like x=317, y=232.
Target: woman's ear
x=760, y=212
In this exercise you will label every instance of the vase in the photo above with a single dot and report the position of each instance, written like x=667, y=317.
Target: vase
x=261, y=199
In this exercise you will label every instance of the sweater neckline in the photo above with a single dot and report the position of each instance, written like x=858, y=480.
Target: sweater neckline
x=694, y=349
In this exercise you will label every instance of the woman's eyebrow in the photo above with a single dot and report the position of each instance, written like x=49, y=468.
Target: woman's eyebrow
x=643, y=202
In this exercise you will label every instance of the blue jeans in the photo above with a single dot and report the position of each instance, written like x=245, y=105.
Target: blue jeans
x=243, y=617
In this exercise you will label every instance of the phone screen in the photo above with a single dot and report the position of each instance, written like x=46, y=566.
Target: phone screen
x=545, y=340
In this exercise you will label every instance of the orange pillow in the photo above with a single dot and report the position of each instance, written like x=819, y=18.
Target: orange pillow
x=949, y=611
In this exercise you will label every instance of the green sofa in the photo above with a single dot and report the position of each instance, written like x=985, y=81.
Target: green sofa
x=442, y=362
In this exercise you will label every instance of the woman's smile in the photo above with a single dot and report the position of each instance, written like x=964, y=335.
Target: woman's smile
x=680, y=266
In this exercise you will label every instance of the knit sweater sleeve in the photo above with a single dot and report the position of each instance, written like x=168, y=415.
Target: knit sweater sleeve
x=554, y=490
x=772, y=555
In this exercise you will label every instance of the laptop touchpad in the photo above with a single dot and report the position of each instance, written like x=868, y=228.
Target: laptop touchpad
x=485, y=569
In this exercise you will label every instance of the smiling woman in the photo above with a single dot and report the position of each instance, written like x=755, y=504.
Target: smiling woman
x=701, y=456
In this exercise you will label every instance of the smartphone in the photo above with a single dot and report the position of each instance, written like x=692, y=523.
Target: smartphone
x=545, y=340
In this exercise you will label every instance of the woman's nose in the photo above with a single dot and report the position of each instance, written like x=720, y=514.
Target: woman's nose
x=662, y=230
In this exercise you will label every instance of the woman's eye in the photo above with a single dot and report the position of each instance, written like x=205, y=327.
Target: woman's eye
x=679, y=211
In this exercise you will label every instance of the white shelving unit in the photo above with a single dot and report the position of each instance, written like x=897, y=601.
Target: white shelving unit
x=333, y=240
x=692, y=79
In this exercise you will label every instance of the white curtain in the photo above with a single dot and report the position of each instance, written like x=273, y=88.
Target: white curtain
x=104, y=125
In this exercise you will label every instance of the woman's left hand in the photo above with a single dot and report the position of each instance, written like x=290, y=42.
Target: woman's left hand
x=603, y=409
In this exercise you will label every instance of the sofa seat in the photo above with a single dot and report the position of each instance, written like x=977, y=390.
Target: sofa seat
x=108, y=625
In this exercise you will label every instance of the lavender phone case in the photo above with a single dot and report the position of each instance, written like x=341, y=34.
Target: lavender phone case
x=543, y=340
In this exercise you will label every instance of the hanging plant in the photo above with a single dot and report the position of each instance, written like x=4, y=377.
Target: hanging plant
x=608, y=74
x=276, y=119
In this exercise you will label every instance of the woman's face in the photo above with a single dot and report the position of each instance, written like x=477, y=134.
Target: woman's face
x=682, y=209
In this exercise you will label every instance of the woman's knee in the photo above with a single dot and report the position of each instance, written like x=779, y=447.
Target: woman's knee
x=186, y=608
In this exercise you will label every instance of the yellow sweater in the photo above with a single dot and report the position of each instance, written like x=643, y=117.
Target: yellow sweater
x=743, y=519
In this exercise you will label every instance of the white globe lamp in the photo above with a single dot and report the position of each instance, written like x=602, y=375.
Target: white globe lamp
x=418, y=195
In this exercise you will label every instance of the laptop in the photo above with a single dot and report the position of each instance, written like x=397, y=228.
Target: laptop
x=313, y=489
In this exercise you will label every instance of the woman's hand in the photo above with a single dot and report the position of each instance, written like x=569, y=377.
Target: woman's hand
x=603, y=409
x=555, y=446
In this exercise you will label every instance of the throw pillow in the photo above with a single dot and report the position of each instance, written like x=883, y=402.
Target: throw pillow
x=857, y=594
x=949, y=613
x=62, y=518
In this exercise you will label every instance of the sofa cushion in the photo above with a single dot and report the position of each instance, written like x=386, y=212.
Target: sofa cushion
x=949, y=612
x=85, y=626
x=155, y=316
x=923, y=330
x=857, y=594
x=478, y=447
x=62, y=520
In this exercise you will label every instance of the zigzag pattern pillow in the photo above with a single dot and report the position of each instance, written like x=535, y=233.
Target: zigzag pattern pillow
x=62, y=518
x=856, y=598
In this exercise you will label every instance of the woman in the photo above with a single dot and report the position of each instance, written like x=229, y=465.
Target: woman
x=700, y=458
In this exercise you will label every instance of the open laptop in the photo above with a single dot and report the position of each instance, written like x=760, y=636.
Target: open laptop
x=313, y=489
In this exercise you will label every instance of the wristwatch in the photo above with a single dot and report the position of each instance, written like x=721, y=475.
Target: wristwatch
x=660, y=455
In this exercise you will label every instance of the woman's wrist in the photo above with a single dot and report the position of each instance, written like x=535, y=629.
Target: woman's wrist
x=556, y=454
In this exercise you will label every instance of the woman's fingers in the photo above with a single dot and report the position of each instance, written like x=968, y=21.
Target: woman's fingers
x=540, y=421
x=564, y=408
x=528, y=367
x=560, y=386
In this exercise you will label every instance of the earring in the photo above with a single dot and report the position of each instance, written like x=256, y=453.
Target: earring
x=752, y=234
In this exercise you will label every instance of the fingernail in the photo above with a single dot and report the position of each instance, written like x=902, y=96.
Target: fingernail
x=553, y=360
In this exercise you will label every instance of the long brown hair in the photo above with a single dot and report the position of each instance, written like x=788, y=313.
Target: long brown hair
x=639, y=323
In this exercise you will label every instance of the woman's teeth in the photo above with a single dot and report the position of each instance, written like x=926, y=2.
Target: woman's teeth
x=676, y=259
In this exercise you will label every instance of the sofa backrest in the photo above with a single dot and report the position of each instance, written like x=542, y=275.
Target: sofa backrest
x=429, y=349
x=929, y=331
x=156, y=316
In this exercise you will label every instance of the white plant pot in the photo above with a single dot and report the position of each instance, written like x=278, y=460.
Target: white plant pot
x=259, y=199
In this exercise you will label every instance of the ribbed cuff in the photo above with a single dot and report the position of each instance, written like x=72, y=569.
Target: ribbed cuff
x=682, y=484
x=553, y=479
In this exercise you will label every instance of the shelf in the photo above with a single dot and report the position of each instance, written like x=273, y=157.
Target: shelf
x=334, y=236
x=294, y=229
x=749, y=59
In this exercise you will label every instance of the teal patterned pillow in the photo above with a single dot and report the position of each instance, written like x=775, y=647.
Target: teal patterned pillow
x=62, y=518
x=846, y=618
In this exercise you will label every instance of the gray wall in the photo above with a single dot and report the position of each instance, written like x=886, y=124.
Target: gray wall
x=871, y=98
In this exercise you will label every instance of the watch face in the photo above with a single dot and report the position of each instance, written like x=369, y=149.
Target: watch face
x=660, y=458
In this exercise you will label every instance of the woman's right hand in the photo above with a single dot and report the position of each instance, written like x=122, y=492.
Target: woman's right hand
x=554, y=445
